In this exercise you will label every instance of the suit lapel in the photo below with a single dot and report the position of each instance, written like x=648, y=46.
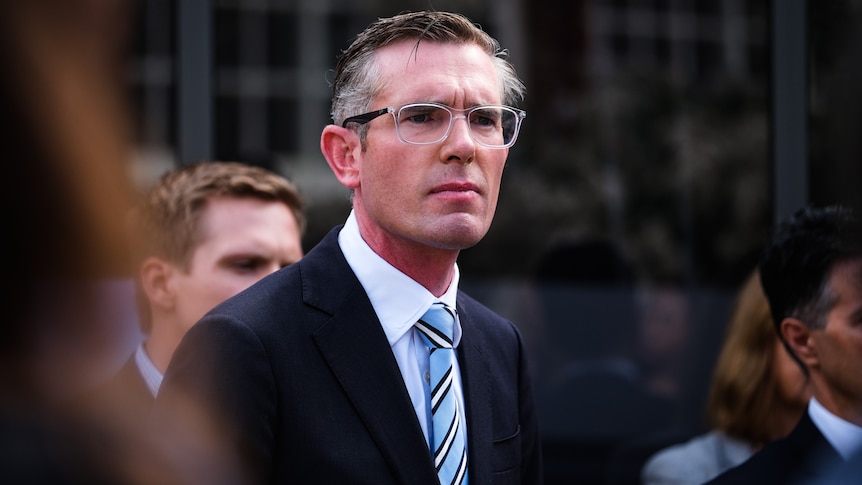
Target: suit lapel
x=354, y=345
x=811, y=450
x=476, y=379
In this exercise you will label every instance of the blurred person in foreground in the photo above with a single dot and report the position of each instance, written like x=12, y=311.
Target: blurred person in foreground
x=65, y=137
x=201, y=234
x=811, y=272
x=757, y=395
x=320, y=372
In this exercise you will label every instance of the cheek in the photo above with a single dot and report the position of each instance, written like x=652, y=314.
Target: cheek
x=391, y=189
x=198, y=300
x=493, y=179
x=847, y=353
x=200, y=295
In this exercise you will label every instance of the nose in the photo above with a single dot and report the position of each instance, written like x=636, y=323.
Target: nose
x=459, y=145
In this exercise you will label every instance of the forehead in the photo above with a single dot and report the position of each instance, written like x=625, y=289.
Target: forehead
x=433, y=71
x=227, y=215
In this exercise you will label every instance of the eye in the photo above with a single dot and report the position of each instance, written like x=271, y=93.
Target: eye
x=485, y=118
x=421, y=114
x=246, y=265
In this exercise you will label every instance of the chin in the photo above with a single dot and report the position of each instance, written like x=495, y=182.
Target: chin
x=456, y=231
x=463, y=237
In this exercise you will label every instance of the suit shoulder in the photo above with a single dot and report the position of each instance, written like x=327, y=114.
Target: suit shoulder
x=784, y=459
x=321, y=279
x=272, y=291
x=476, y=318
x=468, y=303
x=472, y=308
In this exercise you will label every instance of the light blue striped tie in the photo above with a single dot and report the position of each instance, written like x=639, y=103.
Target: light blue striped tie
x=447, y=434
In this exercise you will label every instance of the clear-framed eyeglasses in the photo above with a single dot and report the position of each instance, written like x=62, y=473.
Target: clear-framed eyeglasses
x=491, y=126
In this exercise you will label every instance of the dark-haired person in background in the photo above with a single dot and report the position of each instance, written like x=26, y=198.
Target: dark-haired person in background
x=812, y=276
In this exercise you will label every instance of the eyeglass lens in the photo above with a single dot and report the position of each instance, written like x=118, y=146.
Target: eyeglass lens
x=493, y=126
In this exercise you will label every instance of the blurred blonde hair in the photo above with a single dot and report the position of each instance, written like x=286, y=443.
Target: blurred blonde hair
x=745, y=391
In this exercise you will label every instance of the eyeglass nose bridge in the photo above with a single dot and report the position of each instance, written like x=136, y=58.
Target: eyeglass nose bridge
x=454, y=116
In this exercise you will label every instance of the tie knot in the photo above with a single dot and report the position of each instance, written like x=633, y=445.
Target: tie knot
x=437, y=326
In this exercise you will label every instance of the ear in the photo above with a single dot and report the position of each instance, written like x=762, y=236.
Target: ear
x=798, y=336
x=157, y=281
x=341, y=147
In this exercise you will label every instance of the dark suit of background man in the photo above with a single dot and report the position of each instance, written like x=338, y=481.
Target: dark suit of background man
x=812, y=276
x=200, y=234
x=314, y=372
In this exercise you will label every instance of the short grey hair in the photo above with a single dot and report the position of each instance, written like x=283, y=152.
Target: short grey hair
x=357, y=78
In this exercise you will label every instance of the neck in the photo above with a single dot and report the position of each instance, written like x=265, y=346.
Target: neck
x=160, y=346
x=432, y=267
x=844, y=406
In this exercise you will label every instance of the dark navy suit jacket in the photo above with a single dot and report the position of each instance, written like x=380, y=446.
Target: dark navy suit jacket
x=802, y=456
x=298, y=372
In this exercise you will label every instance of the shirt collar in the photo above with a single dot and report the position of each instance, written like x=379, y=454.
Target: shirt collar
x=397, y=299
x=152, y=376
x=843, y=435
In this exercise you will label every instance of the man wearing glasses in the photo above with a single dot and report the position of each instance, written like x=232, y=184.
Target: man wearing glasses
x=364, y=363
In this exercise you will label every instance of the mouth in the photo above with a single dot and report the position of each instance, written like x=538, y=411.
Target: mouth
x=456, y=187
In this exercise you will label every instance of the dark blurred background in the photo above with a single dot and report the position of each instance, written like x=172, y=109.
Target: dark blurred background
x=662, y=139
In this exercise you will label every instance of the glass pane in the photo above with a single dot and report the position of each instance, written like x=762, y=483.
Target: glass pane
x=836, y=108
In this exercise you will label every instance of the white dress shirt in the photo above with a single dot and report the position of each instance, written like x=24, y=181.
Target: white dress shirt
x=399, y=301
x=148, y=370
x=843, y=435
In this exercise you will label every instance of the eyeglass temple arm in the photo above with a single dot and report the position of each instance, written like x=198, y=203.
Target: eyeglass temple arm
x=365, y=117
